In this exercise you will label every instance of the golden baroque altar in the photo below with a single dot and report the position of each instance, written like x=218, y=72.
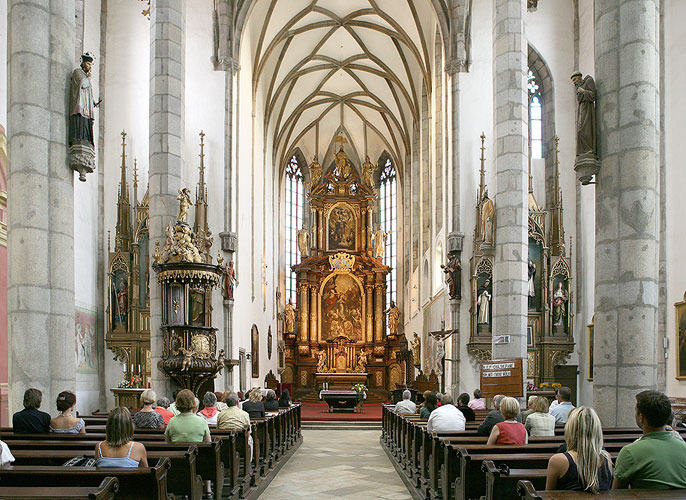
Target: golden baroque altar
x=341, y=286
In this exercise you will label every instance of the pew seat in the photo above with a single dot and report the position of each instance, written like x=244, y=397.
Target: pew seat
x=527, y=491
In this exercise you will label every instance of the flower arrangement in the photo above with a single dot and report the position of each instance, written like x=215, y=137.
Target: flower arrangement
x=543, y=386
x=361, y=390
x=556, y=385
x=135, y=382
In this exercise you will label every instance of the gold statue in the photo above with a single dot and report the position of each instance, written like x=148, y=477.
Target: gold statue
x=315, y=172
x=379, y=242
x=393, y=318
x=321, y=361
x=185, y=201
x=289, y=317
x=368, y=172
x=416, y=350
x=304, y=242
x=343, y=168
x=187, y=358
x=362, y=361
x=487, y=218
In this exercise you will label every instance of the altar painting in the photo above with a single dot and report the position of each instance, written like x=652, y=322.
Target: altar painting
x=144, y=273
x=119, y=300
x=342, y=308
x=341, y=229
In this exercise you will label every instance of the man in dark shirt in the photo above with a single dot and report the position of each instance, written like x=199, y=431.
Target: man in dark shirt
x=462, y=402
x=493, y=417
x=30, y=420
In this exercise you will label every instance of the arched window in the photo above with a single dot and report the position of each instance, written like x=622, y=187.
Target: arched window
x=389, y=223
x=535, y=117
x=295, y=198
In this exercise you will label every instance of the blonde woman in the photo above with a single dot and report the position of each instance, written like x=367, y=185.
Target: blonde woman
x=540, y=422
x=510, y=431
x=585, y=466
x=255, y=406
x=147, y=417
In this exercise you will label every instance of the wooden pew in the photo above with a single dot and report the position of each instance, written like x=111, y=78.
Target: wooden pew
x=104, y=491
x=501, y=482
x=527, y=491
x=134, y=483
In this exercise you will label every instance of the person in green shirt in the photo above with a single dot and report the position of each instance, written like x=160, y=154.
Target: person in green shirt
x=657, y=460
x=187, y=427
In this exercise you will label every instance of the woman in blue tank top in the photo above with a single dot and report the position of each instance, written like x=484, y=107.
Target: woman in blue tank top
x=119, y=448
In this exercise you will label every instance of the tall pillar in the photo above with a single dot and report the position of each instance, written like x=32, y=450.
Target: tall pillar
x=378, y=309
x=40, y=285
x=369, y=292
x=627, y=212
x=167, y=126
x=303, y=313
x=511, y=129
x=313, y=312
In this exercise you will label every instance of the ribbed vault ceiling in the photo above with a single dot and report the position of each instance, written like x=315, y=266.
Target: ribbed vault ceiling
x=326, y=66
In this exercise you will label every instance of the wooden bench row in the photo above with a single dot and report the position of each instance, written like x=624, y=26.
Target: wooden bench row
x=459, y=465
x=180, y=468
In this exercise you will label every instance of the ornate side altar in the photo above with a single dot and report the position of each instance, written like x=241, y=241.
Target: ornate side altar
x=341, y=288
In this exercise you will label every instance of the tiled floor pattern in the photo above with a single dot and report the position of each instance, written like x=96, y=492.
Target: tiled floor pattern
x=338, y=464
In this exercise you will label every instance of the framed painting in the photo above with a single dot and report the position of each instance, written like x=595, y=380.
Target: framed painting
x=255, y=351
x=342, y=229
x=680, y=327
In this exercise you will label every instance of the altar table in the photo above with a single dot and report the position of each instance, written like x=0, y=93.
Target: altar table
x=341, y=400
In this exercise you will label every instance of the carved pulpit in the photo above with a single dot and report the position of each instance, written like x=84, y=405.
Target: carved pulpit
x=341, y=288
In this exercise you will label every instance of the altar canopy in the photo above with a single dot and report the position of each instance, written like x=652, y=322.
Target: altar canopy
x=341, y=288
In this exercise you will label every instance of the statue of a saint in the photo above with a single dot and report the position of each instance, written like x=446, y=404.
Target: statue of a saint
x=416, y=350
x=532, y=275
x=81, y=117
x=221, y=361
x=122, y=297
x=393, y=318
x=362, y=361
x=197, y=306
x=289, y=317
x=483, y=302
x=368, y=172
x=559, y=305
x=315, y=172
x=303, y=236
x=321, y=361
x=343, y=168
x=230, y=281
x=379, y=243
x=586, y=134
x=487, y=217
x=453, y=276
x=185, y=201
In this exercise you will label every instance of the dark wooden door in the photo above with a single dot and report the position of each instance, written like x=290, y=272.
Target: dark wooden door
x=567, y=375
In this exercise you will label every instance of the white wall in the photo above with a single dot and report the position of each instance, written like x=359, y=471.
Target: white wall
x=3, y=64
x=675, y=106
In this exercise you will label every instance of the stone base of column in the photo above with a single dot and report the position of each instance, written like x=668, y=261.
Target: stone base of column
x=586, y=167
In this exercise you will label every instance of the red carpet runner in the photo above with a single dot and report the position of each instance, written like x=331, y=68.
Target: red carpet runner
x=319, y=412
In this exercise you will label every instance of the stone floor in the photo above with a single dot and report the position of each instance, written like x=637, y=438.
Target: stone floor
x=338, y=464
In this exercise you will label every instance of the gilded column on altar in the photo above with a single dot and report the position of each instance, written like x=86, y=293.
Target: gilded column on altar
x=378, y=313
x=369, y=289
x=303, y=318
x=313, y=311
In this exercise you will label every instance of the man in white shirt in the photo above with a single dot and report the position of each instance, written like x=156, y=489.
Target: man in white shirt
x=564, y=406
x=446, y=417
x=406, y=407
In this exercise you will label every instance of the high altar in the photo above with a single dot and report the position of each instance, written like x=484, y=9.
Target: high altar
x=340, y=334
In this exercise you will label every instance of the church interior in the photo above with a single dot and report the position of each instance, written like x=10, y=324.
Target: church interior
x=359, y=196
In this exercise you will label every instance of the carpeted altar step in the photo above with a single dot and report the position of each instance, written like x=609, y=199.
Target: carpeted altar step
x=342, y=426
x=319, y=412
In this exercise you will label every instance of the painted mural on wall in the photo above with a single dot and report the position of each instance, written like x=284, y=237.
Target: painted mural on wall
x=342, y=308
x=86, y=351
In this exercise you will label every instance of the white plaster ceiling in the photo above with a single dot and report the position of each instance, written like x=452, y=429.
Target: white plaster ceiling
x=351, y=66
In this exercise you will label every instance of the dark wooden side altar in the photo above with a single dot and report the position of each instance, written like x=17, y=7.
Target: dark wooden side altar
x=341, y=288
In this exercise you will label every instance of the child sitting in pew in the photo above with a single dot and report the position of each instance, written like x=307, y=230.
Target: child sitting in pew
x=119, y=448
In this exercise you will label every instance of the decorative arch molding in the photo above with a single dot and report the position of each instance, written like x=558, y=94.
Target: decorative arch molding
x=544, y=78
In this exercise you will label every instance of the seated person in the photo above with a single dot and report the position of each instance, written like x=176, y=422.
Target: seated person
x=210, y=411
x=540, y=422
x=161, y=408
x=147, y=417
x=430, y=404
x=187, y=427
x=585, y=466
x=285, y=399
x=564, y=406
x=172, y=406
x=271, y=404
x=30, y=420
x=477, y=403
x=119, y=448
x=6, y=457
x=657, y=460
x=528, y=410
x=234, y=419
x=406, y=406
x=254, y=406
x=463, y=406
x=446, y=418
x=493, y=417
x=65, y=422
x=221, y=405
x=509, y=431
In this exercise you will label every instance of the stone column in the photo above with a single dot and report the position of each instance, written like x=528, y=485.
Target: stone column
x=167, y=126
x=40, y=285
x=627, y=212
x=511, y=137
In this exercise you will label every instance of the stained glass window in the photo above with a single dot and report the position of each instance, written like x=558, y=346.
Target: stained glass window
x=389, y=223
x=295, y=198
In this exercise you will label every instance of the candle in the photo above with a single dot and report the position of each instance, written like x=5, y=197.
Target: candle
x=139, y=369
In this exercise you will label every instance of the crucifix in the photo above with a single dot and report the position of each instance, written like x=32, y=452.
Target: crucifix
x=440, y=336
